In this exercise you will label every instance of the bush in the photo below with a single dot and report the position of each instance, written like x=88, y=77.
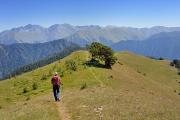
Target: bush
x=25, y=90
x=83, y=86
x=171, y=64
x=178, y=73
x=35, y=86
x=71, y=65
x=176, y=63
x=161, y=58
x=111, y=77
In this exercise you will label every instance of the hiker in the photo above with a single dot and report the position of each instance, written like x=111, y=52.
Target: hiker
x=56, y=82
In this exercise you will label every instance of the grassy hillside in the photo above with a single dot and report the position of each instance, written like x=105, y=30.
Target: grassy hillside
x=135, y=88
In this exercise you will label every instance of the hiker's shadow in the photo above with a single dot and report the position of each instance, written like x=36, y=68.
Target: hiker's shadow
x=94, y=63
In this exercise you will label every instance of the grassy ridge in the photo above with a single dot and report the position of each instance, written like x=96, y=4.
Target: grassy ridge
x=135, y=88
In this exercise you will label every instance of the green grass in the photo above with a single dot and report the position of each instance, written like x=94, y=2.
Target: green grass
x=40, y=108
x=135, y=88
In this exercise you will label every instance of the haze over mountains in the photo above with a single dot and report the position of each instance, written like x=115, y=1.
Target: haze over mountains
x=165, y=45
x=79, y=34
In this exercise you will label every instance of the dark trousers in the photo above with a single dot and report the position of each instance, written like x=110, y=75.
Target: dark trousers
x=56, y=91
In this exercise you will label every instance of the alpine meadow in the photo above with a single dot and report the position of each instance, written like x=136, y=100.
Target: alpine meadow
x=89, y=60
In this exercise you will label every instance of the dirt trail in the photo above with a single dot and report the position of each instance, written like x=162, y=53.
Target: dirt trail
x=62, y=111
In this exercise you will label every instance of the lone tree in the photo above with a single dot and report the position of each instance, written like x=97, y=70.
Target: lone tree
x=103, y=53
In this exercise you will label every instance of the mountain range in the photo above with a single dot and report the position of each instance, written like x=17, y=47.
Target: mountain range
x=165, y=45
x=79, y=34
x=27, y=44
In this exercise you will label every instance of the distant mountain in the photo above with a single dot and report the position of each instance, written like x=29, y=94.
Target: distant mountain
x=19, y=54
x=164, y=45
x=35, y=34
x=79, y=34
x=42, y=62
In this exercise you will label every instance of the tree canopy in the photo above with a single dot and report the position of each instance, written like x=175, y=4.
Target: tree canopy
x=103, y=53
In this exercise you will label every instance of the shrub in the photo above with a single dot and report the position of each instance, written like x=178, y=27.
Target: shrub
x=176, y=63
x=83, y=86
x=35, y=86
x=0, y=107
x=178, y=73
x=171, y=64
x=25, y=90
x=71, y=65
x=161, y=58
x=111, y=76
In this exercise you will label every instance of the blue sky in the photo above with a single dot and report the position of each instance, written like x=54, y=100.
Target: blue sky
x=135, y=13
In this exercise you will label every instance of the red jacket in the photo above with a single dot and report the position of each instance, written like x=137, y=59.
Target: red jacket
x=56, y=80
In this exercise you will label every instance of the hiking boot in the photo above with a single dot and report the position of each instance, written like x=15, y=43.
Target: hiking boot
x=58, y=100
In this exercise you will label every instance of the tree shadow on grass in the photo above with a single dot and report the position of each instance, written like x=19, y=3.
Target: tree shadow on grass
x=94, y=63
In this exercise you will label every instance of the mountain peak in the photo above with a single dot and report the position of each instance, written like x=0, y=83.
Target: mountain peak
x=36, y=33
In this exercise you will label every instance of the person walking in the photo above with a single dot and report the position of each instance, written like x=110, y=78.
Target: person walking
x=56, y=83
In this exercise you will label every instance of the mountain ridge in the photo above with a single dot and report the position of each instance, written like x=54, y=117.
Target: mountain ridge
x=38, y=34
x=164, y=44
x=19, y=54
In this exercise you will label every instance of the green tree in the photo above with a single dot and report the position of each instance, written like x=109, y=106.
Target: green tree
x=103, y=53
